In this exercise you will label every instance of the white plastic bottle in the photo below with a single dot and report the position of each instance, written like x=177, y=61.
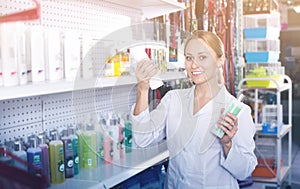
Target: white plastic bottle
x=138, y=54
x=8, y=54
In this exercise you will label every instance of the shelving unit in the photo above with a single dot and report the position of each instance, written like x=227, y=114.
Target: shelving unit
x=153, y=8
x=34, y=107
x=109, y=175
x=47, y=87
x=282, y=171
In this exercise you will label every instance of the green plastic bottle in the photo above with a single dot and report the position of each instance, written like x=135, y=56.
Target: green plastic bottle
x=56, y=153
x=88, y=143
x=128, y=134
x=74, y=139
x=234, y=108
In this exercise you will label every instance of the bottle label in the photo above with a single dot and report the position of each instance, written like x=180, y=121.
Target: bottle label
x=76, y=159
x=36, y=158
x=90, y=162
x=61, y=167
x=70, y=162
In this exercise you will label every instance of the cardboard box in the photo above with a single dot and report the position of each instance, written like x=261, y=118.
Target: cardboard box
x=266, y=167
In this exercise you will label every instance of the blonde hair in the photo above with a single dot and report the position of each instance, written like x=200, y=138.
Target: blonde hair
x=210, y=39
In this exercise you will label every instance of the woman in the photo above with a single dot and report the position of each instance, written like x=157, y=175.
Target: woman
x=186, y=117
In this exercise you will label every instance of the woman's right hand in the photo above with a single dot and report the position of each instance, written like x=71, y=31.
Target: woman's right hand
x=145, y=69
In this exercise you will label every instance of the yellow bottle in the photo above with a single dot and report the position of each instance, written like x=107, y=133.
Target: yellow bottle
x=56, y=153
x=116, y=62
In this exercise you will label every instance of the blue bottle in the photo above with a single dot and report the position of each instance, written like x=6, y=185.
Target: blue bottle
x=74, y=139
x=34, y=156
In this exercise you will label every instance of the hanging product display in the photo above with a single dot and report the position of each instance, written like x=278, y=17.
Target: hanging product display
x=199, y=12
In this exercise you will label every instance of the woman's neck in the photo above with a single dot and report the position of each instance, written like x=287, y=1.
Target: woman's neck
x=203, y=94
x=206, y=90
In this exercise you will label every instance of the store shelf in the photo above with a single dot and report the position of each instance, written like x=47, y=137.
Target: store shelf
x=283, y=172
x=153, y=8
x=135, y=163
x=109, y=175
x=281, y=87
x=285, y=129
x=78, y=184
x=47, y=87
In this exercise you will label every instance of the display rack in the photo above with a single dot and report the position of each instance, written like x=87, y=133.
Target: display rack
x=109, y=175
x=50, y=87
x=286, y=130
x=151, y=9
x=34, y=107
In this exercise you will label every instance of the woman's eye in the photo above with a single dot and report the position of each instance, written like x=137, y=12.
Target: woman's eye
x=188, y=58
x=202, y=57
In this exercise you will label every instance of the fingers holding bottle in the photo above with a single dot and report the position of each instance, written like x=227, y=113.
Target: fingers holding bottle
x=145, y=70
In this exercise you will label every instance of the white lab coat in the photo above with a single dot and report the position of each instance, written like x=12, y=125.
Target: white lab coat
x=196, y=156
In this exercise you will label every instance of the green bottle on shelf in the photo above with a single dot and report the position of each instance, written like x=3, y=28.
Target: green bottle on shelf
x=74, y=139
x=56, y=153
x=88, y=147
x=128, y=134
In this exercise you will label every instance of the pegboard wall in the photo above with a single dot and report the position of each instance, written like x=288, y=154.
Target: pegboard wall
x=31, y=115
x=25, y=116
x=98, y=16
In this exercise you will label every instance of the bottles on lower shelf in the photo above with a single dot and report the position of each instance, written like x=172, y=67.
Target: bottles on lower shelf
x=60, y=154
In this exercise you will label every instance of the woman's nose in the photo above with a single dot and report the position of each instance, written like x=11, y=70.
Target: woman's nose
x=194, y=64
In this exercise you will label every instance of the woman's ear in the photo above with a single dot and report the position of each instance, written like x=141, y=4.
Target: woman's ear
x=221, y=61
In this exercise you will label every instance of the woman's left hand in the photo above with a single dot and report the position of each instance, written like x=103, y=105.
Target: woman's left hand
x=229, y=124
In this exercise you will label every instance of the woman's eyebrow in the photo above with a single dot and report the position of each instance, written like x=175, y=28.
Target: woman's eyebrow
x=199, y=53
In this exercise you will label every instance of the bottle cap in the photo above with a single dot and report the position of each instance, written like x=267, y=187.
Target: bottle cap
x=17, y=146
x=41, y=139
x=241, y=97
x=32, y=142
x=53, y=135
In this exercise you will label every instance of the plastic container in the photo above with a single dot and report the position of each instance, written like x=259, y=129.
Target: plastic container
x=45, y=156
x=56, y=153
x=264, y=68
x=88, y=148
x=262, y=33
x=75, y=150
x=262, y=20
x=34, y=156
x=266, y=83
x=234, y=108
x=262, y=57
x=68, y=155
x=270, y=119
x=19, y=152
x=252, y=45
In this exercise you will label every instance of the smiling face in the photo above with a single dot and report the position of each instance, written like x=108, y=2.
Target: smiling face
x=201, y=61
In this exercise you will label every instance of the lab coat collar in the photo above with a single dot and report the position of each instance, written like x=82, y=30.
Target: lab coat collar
x=217, y=101
x=214, y=106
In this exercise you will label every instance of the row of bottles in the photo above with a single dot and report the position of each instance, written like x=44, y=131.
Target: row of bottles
x=124, y=62
x=60, y=154
x=109, y=138
x=36, y=53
